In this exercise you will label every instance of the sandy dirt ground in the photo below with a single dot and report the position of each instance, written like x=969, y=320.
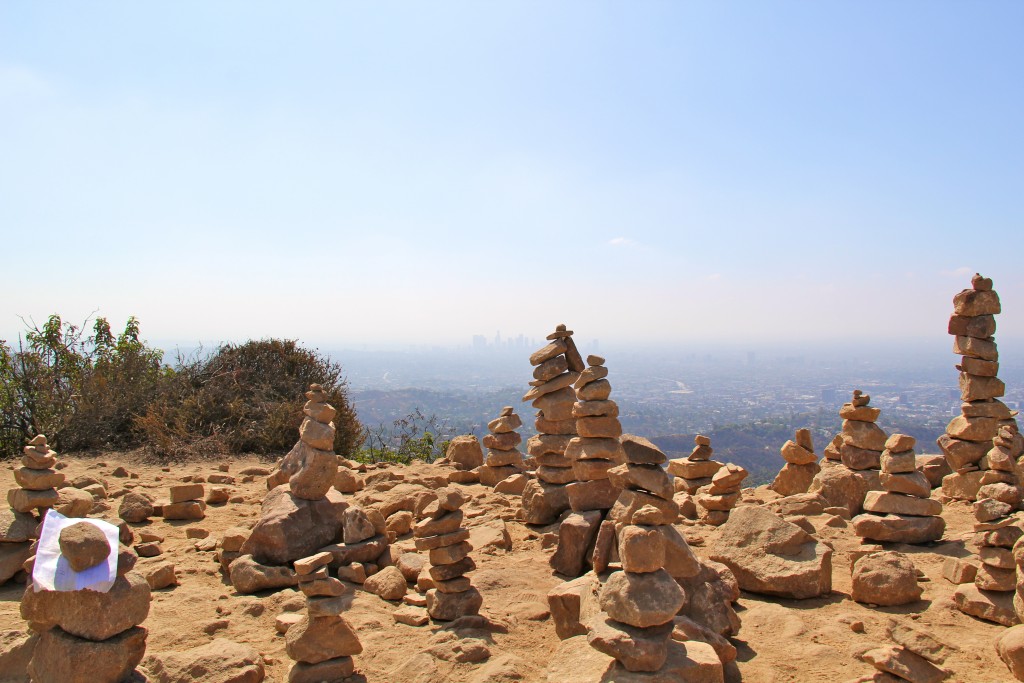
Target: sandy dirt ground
x=780, y=640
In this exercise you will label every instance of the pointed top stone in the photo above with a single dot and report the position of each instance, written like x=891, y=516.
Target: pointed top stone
x=981, y=284
x=702, y=440
x=559, y=333
x=38, y=440
x=595, y=360
x=507, y=411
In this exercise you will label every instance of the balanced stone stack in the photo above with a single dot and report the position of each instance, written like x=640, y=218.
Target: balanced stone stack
x=312, y=464
x=718, y=498
x=596, y=449
x=969, y=436
x=322, y=643
x=832, y=451
x=36, y=477
x=903, y=512
x=440, y=533
x=88, y=636
x=801, y=465
x=640, y=602
x=697, y=469
x=186, y=502
x=503, y=458
x=643, y=482
x=556, y=367
x=863, y=440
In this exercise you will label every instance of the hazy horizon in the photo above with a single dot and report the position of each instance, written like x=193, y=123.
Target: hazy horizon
x=369, y=174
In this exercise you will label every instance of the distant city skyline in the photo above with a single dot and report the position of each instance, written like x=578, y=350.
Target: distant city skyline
x=391, y=175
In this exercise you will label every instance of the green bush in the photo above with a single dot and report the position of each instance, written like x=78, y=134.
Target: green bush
x=413, y=437
x=246, y=398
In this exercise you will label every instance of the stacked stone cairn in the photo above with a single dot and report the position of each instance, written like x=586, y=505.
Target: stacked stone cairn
x=969, y=436
x=19, y=525
x=638, y=603
x=312, y=464
x=718, y=498
x=36, y=477
x=997, y=528
x=556, y=367
x=186, y=502
x=801, y=465
x=439, y=532
x=503, y=458
x=903, y=512
x=322, y=642
x=695, y=470
x=863, y=440
x=88, y=636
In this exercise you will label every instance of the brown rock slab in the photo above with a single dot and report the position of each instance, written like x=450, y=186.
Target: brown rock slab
x=290, y=528
x=635, y=649
x=388, y=584
x=576, y=536
x=641, y=600
x=249, y=576
x=90, y=614
x=987, y=605
x=219, y=661
x=83, y=545
x=317, y=639
x=451, y=606
x=59, y=656
x=885, y=578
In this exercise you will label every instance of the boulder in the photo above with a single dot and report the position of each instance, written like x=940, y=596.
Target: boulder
x=465, y=452
x=641, y=600
x=899, y=528
x=543, y=503
x=59, y=656
x=388, y=583
x=290, y=528
x=90, y=614
x=135, y=508
x=991, y=606
x=576, y=536
x=885, y=578
x=771, y=556
x=842, y=487
x=317, y=639
x=572, y=603
x=220, y=661
x=1010, y=648
x=249, y=576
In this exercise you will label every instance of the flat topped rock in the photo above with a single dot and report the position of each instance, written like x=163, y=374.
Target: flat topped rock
x=84, y=545
x=553, y=349
x=640, y=451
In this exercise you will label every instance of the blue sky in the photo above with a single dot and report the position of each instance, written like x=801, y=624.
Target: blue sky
x=378, y=173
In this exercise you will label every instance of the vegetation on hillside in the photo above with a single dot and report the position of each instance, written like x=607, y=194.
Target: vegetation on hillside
x=106, y=391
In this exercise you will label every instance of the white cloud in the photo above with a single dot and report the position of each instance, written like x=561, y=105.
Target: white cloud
x=621, y=242
x=962, y=271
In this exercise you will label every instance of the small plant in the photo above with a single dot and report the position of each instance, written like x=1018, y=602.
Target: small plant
x=413, y=437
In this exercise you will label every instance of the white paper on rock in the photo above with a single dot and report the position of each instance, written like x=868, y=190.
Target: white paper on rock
x=52, y=571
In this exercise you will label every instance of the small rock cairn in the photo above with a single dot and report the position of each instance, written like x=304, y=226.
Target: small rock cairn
x=640, y=602
x=863, y=440
x=186, y=502
x=88, y=636
x=695, y=470
x=903, y=512
x=322, y=642
x=557, y=366
x=969, y=436
x=440, y=533
x=801, y=465
x=312, y=461
x=36, y=477
x=503, y=458
x=596, y=449
x=716, y=500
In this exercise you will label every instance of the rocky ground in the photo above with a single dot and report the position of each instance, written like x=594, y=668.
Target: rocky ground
x=780, y=640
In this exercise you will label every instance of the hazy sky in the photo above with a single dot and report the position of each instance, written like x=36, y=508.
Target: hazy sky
x=423, y=171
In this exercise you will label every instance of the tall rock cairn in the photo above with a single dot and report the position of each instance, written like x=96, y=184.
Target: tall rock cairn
x=640, y=602
x=440, y=533
x=863, y=440
x=314, y=462
x=801, y=465
x=596, y=449
x=969, y=436
x=903, y=512
x=556, y=367
x=322, y=642
x=36, y=477
x=720, y=496
x=89, y=636
x=503, y=458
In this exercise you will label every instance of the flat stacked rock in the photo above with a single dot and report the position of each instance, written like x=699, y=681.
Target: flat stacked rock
x=969, y=436
x=718, y=498
x=640, y=602
x=36, y=477
x=832, y=450
x=801, y=465
x=439, y=532
x=903, y=512
x=503, y=458
x=643, y=482
x=697, y=469
x=556, y=367
x=88, y=636
x=321, y=642
x=596, y=449
x=186, y=502
x=992, y=596
x=863, y=440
